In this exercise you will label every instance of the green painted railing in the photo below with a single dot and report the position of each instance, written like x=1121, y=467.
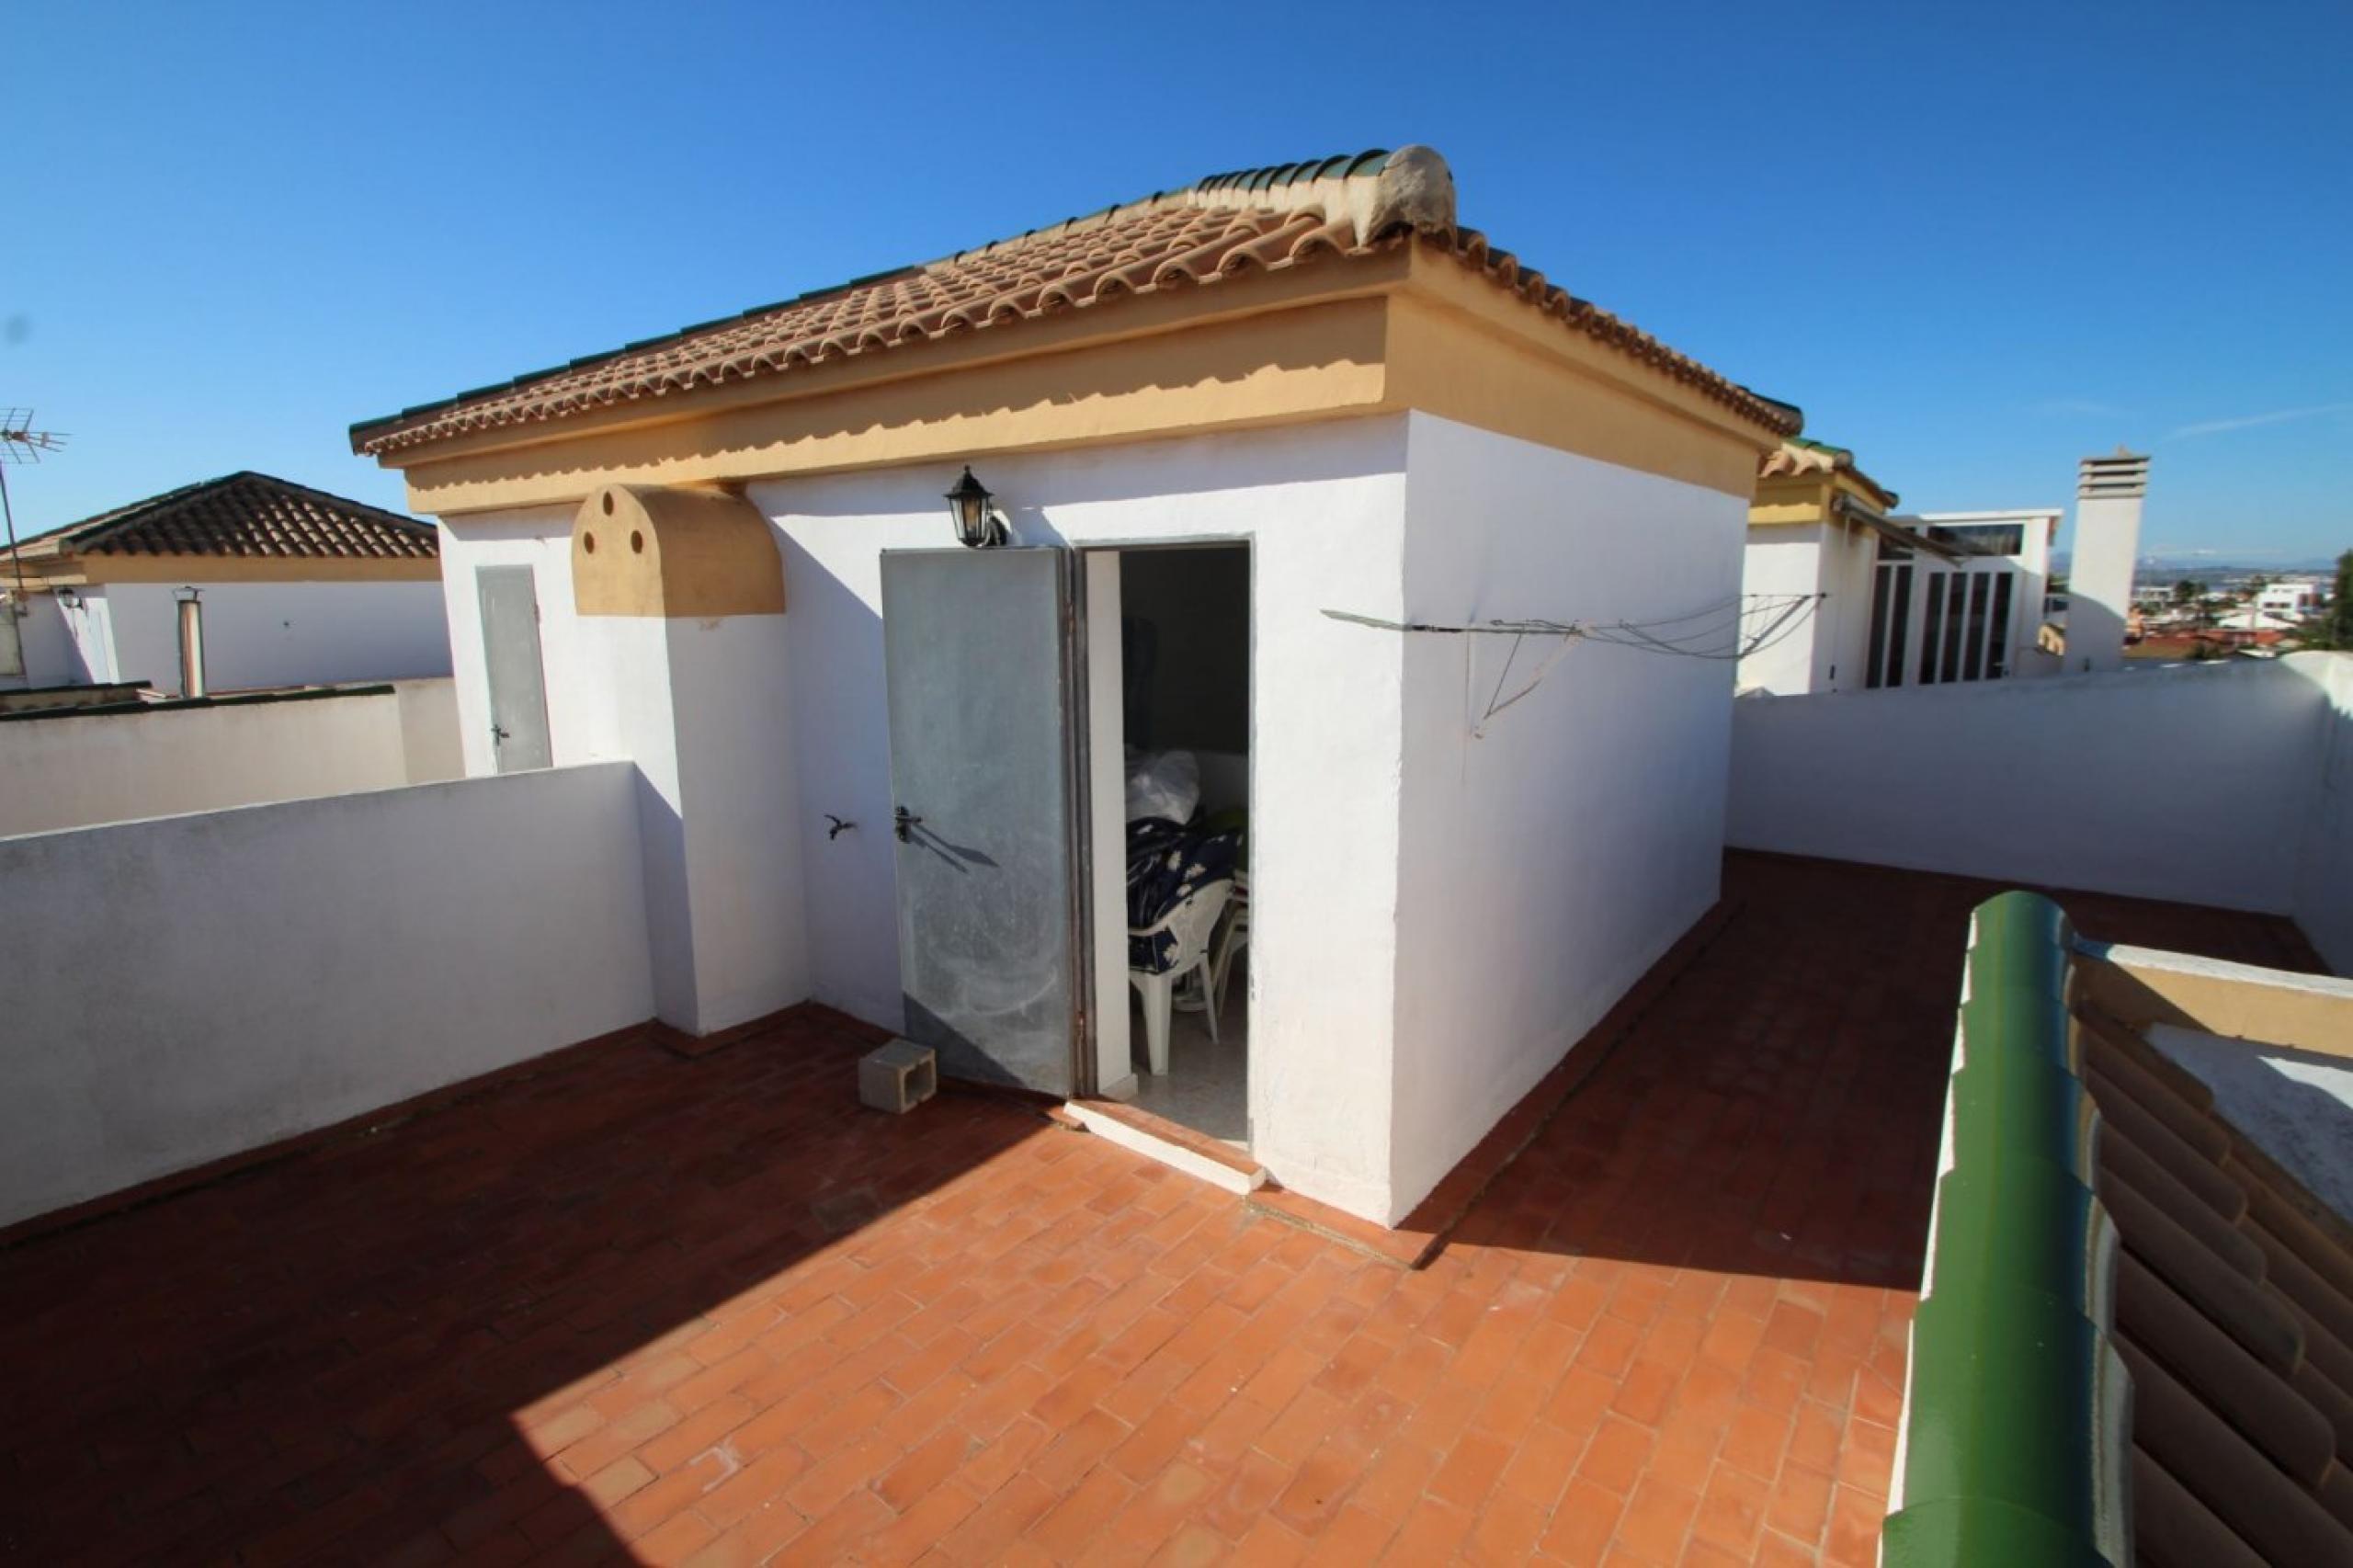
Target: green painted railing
x=2015, y=1435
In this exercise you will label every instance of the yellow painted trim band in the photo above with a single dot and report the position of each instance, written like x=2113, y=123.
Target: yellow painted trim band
x=1465, y=371
x=74, y=570
x=1412, y=331
x=1321, y=361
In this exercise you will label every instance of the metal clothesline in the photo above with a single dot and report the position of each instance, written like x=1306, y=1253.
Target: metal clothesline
x=1784, y=610
x=1781, y=614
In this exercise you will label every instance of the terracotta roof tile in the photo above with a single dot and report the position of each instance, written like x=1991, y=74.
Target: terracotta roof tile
x=246, y=515
x=1221, y=231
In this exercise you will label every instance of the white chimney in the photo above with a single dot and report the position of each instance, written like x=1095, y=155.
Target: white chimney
x=2107, y=542
x=191, y=611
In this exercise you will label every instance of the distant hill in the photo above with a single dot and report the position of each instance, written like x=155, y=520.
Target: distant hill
x=2211, y=567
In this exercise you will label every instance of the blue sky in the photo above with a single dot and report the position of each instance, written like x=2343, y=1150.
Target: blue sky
x=1975, y=243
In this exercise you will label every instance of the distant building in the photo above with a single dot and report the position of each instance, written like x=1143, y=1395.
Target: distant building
x=292, y=587
x=1816, y=528
x=1898, y=601
x=2256, y=619
x=1976, y=616
x=2289, y=599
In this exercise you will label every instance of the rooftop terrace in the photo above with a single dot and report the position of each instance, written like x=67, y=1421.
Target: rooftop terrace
x=640, y=1306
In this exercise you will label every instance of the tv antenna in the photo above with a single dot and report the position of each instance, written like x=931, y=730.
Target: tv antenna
x=20, y=443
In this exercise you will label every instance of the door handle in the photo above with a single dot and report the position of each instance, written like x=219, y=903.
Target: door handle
x=497, y=735
x=902, y=820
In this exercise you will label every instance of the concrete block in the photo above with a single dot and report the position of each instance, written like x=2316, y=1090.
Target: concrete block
x=897, y=1077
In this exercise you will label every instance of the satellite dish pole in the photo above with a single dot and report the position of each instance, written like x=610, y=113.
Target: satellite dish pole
x=20, y=443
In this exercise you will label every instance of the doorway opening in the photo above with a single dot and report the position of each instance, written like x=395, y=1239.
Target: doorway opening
x=1183, y=655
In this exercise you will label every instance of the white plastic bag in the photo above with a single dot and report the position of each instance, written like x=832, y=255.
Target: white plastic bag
x=1165, y=784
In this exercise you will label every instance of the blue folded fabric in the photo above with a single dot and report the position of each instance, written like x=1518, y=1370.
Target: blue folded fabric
x=1166, y=862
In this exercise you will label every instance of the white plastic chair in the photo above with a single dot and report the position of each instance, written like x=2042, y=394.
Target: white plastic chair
x=1230, y=941
x=1190, y=922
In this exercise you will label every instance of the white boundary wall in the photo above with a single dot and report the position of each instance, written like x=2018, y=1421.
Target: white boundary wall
x=268, y=634
x=66, y=770
x=428, y=720
x=181, y=990
x=2325, y=872
x=47, y=645
x=2224, y=784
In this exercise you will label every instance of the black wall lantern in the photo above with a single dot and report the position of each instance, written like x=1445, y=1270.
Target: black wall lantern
x=978, y=522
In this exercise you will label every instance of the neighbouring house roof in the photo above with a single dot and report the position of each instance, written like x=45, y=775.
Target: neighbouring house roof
x=250, y=515
x=2256, y=620
x=1224, y=231
x=1798, y=457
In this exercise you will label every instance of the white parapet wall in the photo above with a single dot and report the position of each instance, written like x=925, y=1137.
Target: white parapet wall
x=430, y=752
x=177, y=991
x=45, y=647
x=62, y=770
x=2224, y=784
x=2323, y=906
x=266, y=635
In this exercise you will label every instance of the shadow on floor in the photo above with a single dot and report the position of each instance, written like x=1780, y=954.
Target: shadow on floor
x=1777, y=1111
x=343, y=1354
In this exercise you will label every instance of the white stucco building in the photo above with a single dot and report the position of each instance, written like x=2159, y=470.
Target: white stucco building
x=1815, y=530
x=293, y=587
x=1977, y=614
x=884, y=773
x=1846, y=595
x=2256, y=620
x=2297, y=597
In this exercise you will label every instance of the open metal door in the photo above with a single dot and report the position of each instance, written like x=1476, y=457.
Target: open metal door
x=983, y=696
x=510, y=647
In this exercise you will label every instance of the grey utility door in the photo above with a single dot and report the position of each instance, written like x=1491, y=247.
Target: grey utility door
x=510, y=651
x=977, y=649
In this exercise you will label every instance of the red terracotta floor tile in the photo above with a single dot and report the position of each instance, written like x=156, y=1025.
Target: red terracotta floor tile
x=1732, y=1510
x=1658, y=1520
x=1801, y=1503
x=709, y=1310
